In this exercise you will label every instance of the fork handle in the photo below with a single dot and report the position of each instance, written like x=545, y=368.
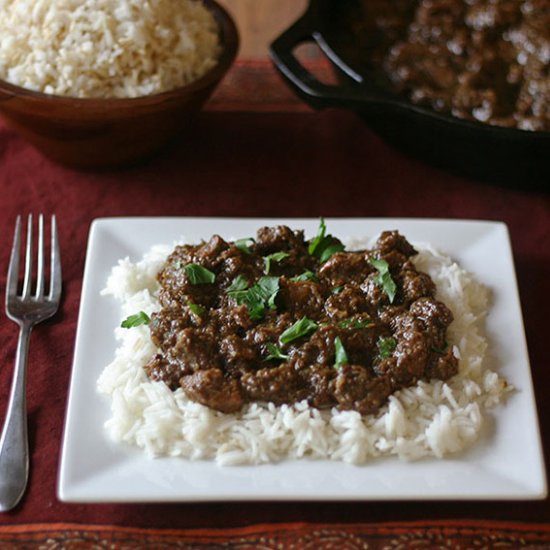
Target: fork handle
x=14, y=445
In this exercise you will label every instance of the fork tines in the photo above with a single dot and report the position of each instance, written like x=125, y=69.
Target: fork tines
x=39, y=276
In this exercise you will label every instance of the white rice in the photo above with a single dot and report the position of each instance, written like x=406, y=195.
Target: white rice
x=105, y=48
x=429, y=419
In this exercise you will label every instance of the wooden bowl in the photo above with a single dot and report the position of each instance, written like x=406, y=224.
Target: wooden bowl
x=104, y=133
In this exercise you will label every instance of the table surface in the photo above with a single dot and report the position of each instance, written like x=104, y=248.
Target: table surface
x=256, y=151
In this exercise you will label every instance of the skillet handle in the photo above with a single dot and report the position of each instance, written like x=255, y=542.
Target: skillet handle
x=306, y=86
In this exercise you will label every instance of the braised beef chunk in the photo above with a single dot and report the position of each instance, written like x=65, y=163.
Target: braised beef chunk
x=210, y=387
x=281, y=319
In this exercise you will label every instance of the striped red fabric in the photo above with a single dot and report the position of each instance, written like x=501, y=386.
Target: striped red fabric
x=446, y=535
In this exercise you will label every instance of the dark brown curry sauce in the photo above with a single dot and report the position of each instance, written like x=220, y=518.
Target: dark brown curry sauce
x=372, y=324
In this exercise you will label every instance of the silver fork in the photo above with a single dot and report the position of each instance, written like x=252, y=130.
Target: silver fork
x=27, y=309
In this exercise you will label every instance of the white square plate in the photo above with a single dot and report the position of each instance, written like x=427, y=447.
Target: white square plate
x=507, y=463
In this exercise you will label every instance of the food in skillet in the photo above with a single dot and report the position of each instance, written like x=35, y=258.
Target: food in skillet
x=257, y=350
x=484, y=60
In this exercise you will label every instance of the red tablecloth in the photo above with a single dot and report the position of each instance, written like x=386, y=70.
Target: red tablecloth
x=279, y=161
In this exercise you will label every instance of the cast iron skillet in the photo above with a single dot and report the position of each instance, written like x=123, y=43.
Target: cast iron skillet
x=473, y=149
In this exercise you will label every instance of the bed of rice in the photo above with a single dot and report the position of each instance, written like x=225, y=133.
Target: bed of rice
x=105, y=48
x=429, y=419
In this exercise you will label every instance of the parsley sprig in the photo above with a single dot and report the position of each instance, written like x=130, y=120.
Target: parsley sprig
x=275, y=257
x=441, y=350
x=383, y=278
x=196, y=309
x=306, y=276
x=258, y=298
x=341, y=357
x=323, y=246
x=136, y=320
x=244, y=244
x=300, y=328
x=199, y=275
x=275, y=353
x=355, y=323
x=238, y=284
x=386, y=346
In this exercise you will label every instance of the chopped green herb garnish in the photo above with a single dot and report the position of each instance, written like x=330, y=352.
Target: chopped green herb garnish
x=195, y=308
x=199, y=275
x=238, y=284
x=300, y=328
x=177, y=264
x=386, y=346
x=276, y=257
x=330, y=250
x=323, y=246
x=383, y=279
x=306, y=276
x=136, y=320
x=244, y=244
x=316, y=242
x=258, y=297
x=442, y=350
x=337, y=289
x=268, y=288
x=355, y=323
x=275, y=353
x=341, y=357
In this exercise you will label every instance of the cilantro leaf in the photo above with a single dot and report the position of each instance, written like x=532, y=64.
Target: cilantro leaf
x=381, y=265
x=195, y=308
x=337, y=289
x=256, y=310
x=136, y=320
x=268, y=287
x=341, y=357
x=300, y=328
x=329, y=250
x=258, y=297
x=238, y=284
x=276, y=257
x=383, y=278
x=323, y=246
x=315, y=243
x=386, y=346
x=244, y=244
x=199, y=275
x=306, y=276
x=442, y=350
x=355, y=323
x=275, y=353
